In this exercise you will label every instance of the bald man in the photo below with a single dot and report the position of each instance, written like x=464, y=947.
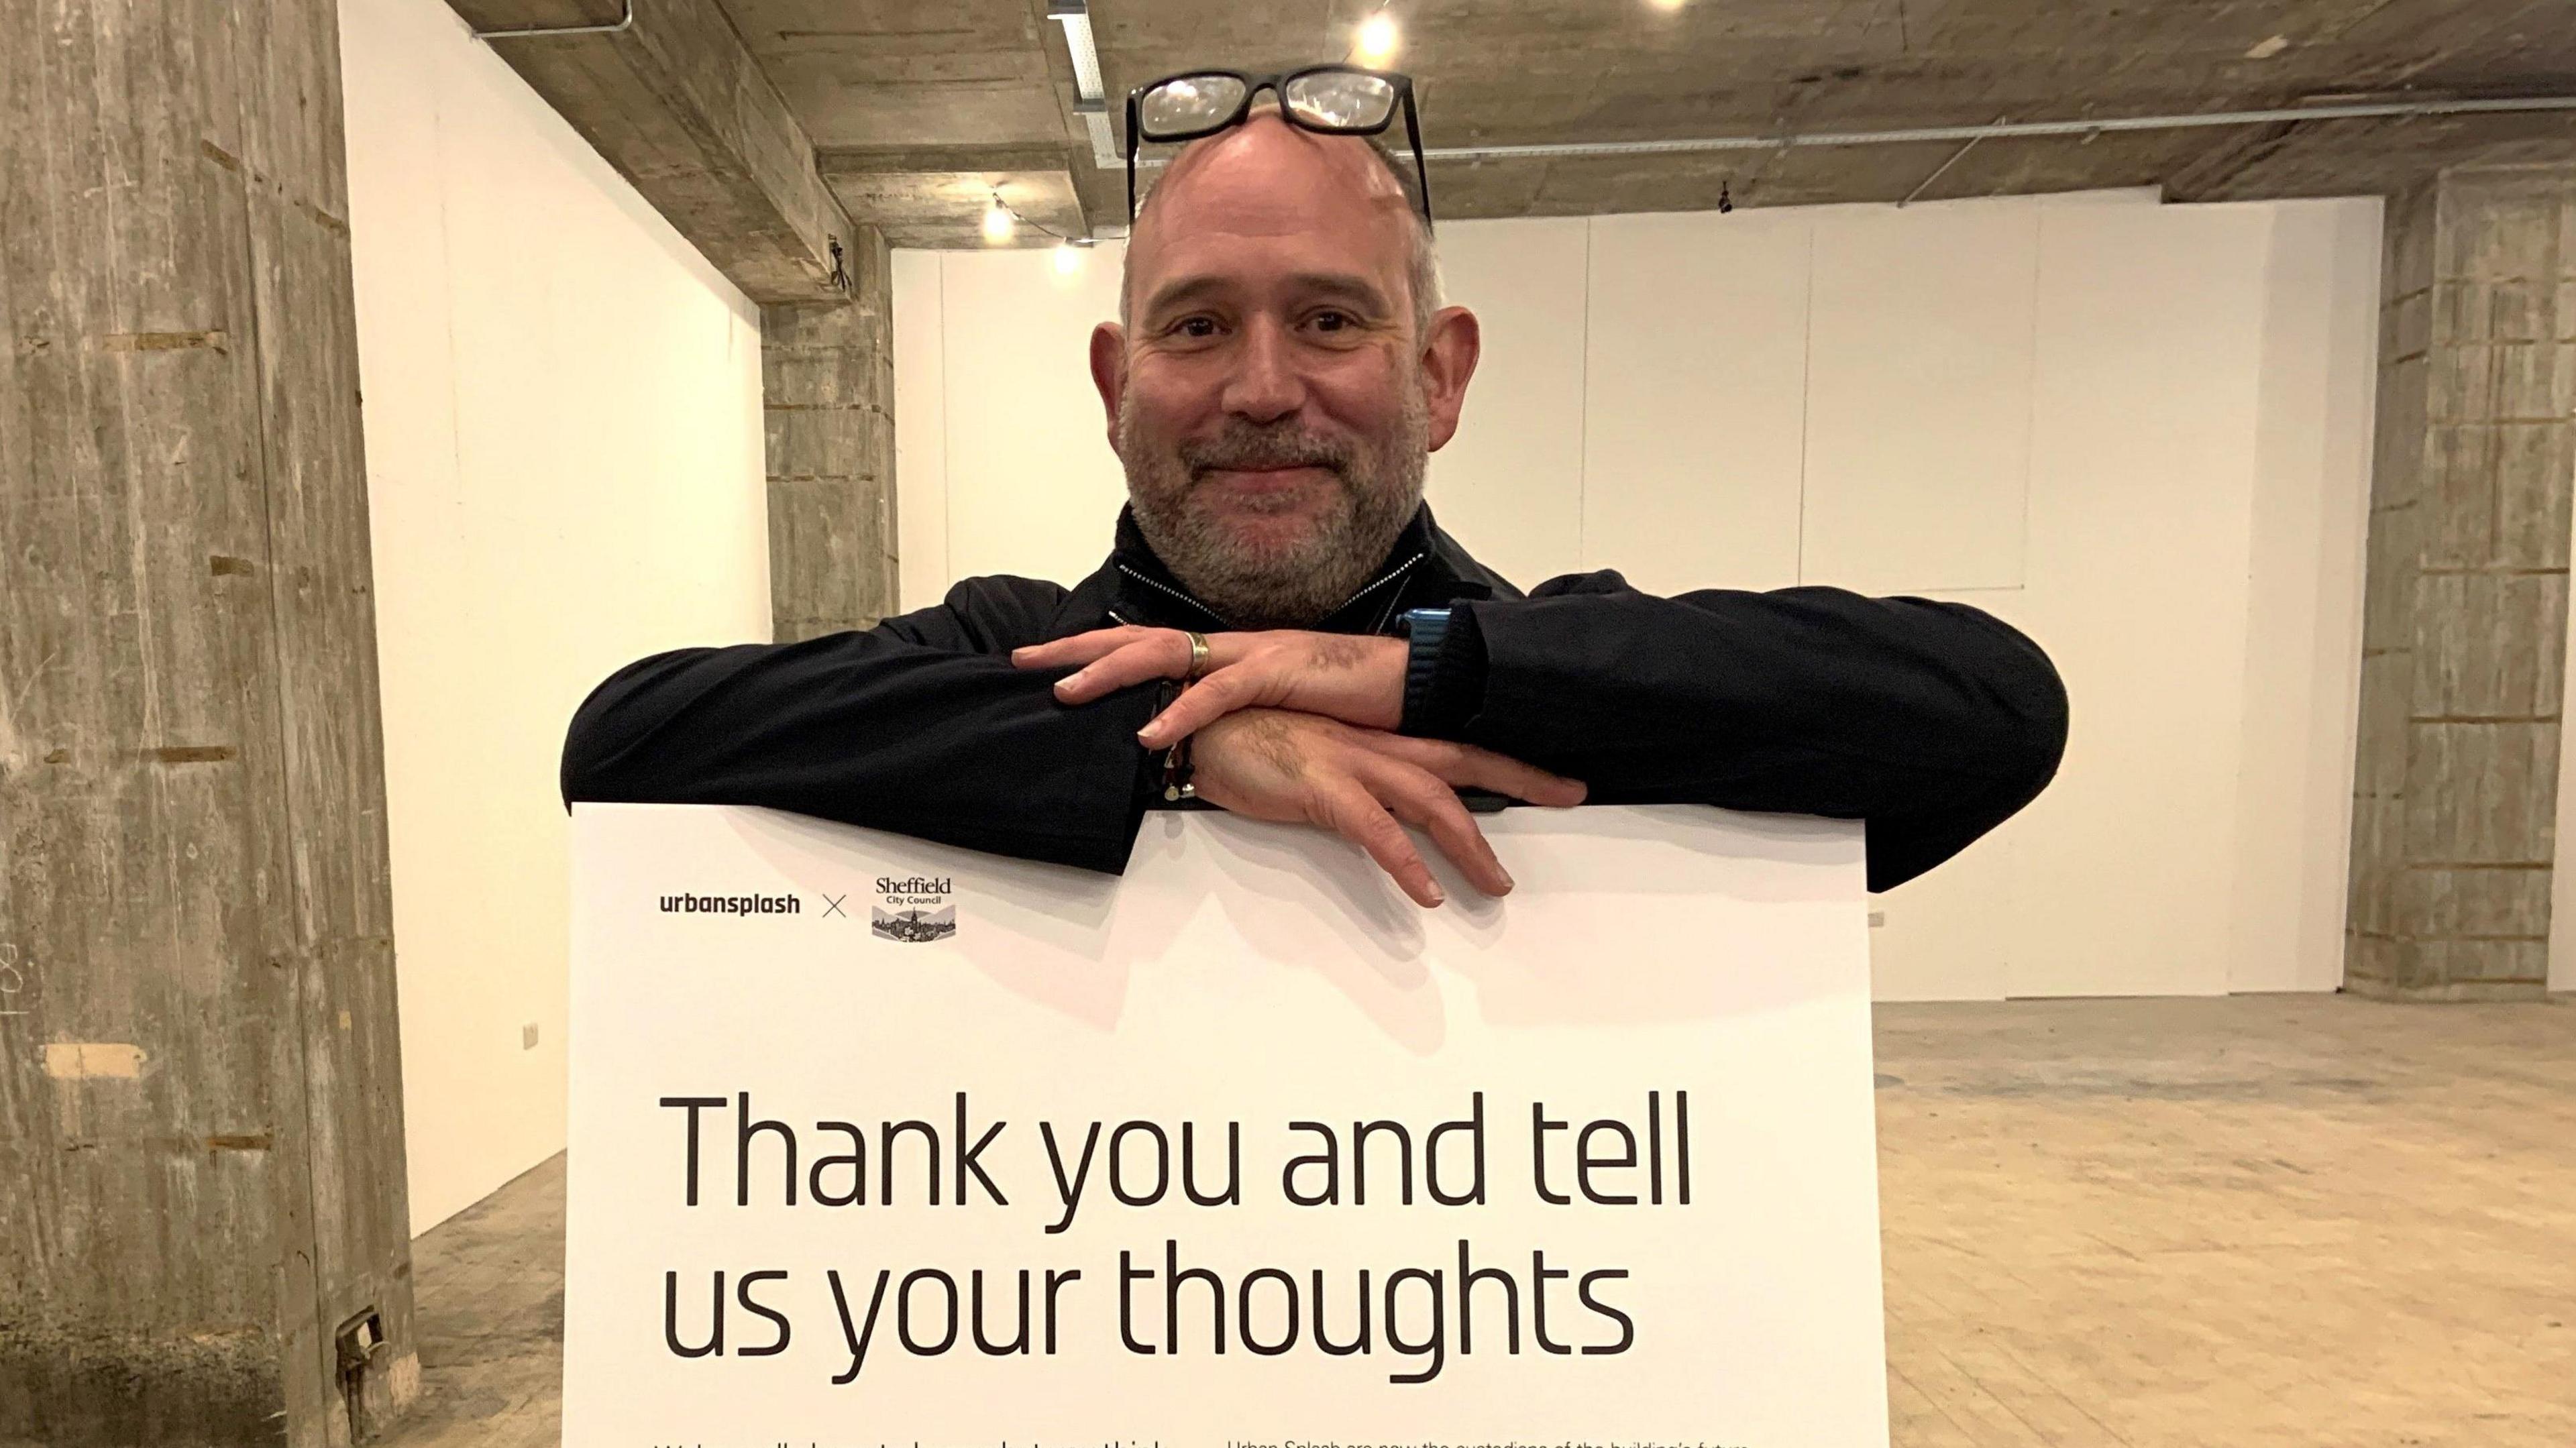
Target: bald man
x=1283, y=632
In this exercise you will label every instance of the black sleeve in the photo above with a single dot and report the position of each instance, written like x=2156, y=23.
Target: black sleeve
x=1933, y=722
x=920, y=726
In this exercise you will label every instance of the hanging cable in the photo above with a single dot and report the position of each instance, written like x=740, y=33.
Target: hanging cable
x=624, y=22
x=1017, y=219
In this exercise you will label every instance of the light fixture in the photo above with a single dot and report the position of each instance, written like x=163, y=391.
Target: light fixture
x=1377, y=39
x=1075, y=17
x=1090, y=99
x=1068, y=258
x=999, y=223
x=1668, y=5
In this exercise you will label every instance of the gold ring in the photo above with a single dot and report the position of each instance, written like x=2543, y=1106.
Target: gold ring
x=1198, y=653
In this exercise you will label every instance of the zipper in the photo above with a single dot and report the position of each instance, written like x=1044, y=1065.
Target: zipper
x=1390, y=576
x=1388, y=612
x=1174, y=592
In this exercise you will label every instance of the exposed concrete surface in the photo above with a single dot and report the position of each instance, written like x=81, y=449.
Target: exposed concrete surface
x=490, y=1295
x=922, y=111
x=2464, y=613
x=937, y=197
x=827, y=412
x=2262, y=1221
x=201, y=1127
x=968, y=73
x=674, y=102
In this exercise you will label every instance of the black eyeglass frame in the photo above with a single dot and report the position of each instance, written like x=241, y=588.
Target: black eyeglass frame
x=1277, y=84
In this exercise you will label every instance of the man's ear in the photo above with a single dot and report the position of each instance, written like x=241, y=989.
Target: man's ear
x=1109, y=371
x=1448, y=360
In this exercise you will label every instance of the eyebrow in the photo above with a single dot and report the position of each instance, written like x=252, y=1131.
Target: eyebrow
x=1344, y=286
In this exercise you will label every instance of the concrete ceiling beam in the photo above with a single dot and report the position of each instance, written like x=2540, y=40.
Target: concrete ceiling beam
x=669, y=94
x=935, y=196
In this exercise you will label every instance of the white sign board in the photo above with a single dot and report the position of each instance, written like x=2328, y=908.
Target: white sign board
x=876, y=1142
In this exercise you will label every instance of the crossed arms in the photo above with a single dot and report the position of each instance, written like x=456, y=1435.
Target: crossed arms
x=1931, y=721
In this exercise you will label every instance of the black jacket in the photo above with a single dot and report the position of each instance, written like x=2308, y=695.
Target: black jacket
x=1931, y=721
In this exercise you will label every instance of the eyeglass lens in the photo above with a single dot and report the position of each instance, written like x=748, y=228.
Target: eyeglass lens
x=1341, y=99
x=1332, y=100
x=1190, y=103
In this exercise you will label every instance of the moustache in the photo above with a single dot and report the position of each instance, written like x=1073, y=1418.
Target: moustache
x=1252, y=449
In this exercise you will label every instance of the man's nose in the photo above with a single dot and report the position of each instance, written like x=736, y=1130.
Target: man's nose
x=1265, y=385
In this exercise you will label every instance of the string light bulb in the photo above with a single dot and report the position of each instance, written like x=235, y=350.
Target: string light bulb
x=1377, y=39
x=1068, y=258
x=999, y=223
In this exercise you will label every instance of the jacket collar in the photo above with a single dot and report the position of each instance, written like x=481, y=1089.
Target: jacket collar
x=1426, y=568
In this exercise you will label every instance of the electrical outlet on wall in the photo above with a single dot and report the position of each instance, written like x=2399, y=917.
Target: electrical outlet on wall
x=528, y=1036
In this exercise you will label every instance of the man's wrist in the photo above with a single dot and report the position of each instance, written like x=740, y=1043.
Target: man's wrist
x=1444, y=677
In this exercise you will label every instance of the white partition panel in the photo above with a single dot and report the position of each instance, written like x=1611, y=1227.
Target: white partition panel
x=1918, y=396
x=1032, y=485
x=920, y=429
x=2142, y=474
x=2562, y=883
x=2310, y=517
x=1513, y=477
x=1696, y=360
x=564, y=474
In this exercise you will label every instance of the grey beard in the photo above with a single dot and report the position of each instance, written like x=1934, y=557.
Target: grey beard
x=1298, y=585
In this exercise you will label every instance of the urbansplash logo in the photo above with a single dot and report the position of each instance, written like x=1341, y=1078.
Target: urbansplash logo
x=914, y=909
x=732, y=905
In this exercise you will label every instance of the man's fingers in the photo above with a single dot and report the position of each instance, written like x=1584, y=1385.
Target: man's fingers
x=1160, y=654
x=1200, y=705
x=1351, y=812
x=1465, y=766
x=1078, y=649
x=1422, y=801
x=1155, y=654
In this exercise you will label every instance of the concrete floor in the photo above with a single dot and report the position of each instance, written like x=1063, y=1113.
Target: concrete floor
x=488, y=1308
x=2268, y=1220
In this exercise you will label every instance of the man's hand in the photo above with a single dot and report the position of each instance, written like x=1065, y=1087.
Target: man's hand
x=1275, y=764
x=1353, y=678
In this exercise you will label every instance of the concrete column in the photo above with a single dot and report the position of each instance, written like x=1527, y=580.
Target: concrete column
x=201, y=1129
x=827, y=382
x=2463, y=639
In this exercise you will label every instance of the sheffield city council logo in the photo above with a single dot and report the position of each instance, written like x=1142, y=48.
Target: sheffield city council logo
x=914, y=909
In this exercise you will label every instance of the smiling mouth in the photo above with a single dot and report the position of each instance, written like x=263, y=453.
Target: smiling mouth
x=1267, y=491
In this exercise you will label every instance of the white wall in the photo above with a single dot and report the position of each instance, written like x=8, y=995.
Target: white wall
x=2138, y=432
x=562, y=404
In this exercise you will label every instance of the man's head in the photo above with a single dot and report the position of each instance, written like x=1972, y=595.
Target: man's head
x=1281, y=370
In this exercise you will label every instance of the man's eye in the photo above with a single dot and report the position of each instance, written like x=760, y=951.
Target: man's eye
x=1330, y=321
x=1194, y=327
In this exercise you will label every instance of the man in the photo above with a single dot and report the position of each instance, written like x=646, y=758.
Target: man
x=1280, y=372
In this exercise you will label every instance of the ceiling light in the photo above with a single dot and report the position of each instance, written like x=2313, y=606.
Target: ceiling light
x=1668, y=4
x=1377, y=39
x=1068, y=258
x=999, y=223
x=1075, y=17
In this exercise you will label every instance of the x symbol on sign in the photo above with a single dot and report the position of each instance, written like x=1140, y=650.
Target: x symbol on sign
x=832, y=905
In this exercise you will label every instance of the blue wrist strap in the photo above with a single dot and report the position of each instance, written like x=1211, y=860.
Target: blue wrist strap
x=1425, y=628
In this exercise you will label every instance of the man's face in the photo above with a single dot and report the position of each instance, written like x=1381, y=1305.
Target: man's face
x=1269, y=396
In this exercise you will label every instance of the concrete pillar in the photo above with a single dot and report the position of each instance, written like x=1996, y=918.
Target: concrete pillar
x=201, y=1149
x=827, y=382
x=2463, y=639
